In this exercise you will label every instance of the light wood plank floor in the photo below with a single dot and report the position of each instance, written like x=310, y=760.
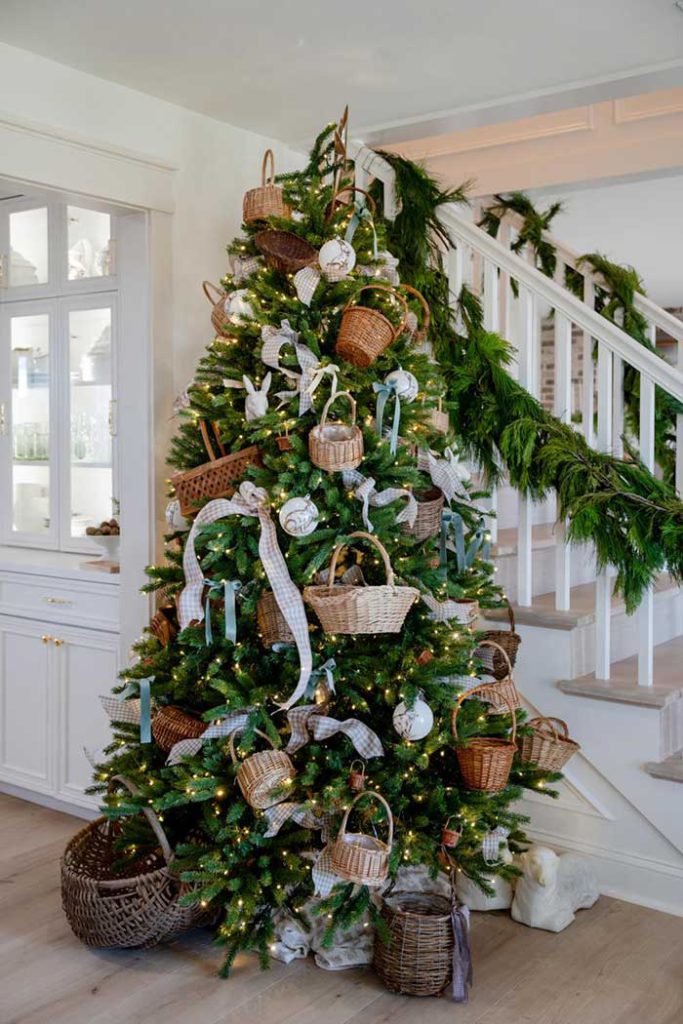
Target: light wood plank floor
x=617, y=964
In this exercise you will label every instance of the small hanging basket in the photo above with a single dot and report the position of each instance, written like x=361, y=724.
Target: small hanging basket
x=504, y=694
x=485, y=761
x=336, y=446
x=272, y=625
x=450, y=837
x=357, y=776
x=218, y=478
x=422, y=330
x=365, y=333
x=347, y=608
x=170, y=725
x=163, y=625
x=112, y=907
x=509, y=641
x=463, y=610
x=358, y=857
x=285, y=251
x=268, y=200
x=428, y=519
x=263, y=777
x=417, y=958
x=219, y=318
x=549, y=746
x=440, y=420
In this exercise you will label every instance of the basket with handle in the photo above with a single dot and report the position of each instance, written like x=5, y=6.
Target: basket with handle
x=416, y=959
x=421, y=330
x=336, y=446
x=335, y=204
x=549, y=745
x=109, y=906
x=272, y=624
x=504, y=694
x=365, y=333
x=358, y=857
x=219, y=318
x=163, y=625
x=347, y=608
x=284, y=250
x=428, y=519
x=218, y=478
x=509, y=641
x=438, y=419
x=265, y=776
x=485, y=761
x=268, y=199
x=170, y=725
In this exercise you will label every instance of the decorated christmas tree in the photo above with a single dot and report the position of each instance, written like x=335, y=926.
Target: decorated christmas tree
x=315, y=642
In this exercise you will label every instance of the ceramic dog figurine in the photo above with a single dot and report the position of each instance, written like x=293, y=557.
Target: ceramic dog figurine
x=552, y=888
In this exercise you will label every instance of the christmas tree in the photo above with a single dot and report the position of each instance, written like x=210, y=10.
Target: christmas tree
x=326, y=556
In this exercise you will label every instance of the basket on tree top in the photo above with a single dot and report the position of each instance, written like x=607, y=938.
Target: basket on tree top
x=170, y=725
x=549, y=745
x=485, y=761
x=268, y=199
x=284, y=250
x=219, y=316
x=336, y=446
x=503, y=694
x=272, y=625
x=365, y=333
x=349, y=608
x=509, y=640
x=117, y=907
x=358, y=857
x=218, y=478
x=428, y=519
x=263, y=777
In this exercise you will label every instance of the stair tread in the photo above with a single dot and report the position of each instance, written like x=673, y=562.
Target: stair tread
x=622, y=687
x=671, y=769
x=542, y=536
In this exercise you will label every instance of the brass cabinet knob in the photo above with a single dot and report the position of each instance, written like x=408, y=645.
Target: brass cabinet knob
x=46, y=638
x=58, y=643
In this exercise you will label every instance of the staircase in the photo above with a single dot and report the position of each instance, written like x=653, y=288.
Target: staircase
x=617, y=680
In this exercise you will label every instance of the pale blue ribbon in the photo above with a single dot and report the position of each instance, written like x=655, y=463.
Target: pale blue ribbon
x=383, y=392
x=452, y=521
x=229, y=588
x=143, y=687
x=327, y=669
x=362, y=212
x=462, y=955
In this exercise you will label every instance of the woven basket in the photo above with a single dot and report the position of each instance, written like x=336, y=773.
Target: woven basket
x=163, y=625
x=549, y=746
x=272, y=625
x=463, y=610
x=365, y=333
x=428, y=519
x=219, y=318
x=170, y=725
x=218, y=478
x=360, y=858
x=509, y=641
x=346, y=608
x=422, y=331
x=268, y=200
x=417, y=959
x=503, y=694
x=263, y=777
x=285, y=251
x=440, y=420
x=137, y=905
x=336, y=446
x=485, y=761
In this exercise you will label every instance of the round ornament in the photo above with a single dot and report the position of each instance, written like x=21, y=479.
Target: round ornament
x=337, y=258
x=413, y=723
x=237, y=309
x=299, y=517
x=405, y=384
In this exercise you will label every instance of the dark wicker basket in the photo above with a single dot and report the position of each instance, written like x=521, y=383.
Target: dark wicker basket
x=418, y=958
x=170, y=725
x=163, y=625
x=509, y=640
x=272, y=625
x=285, y=251
x=218, y=478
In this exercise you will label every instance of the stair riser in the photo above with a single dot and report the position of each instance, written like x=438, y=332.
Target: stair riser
x=582, y=570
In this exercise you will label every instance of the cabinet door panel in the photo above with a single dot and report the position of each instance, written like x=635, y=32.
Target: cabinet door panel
x=24, y=679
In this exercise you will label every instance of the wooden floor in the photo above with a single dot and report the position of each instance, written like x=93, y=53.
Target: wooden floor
x=617, y=964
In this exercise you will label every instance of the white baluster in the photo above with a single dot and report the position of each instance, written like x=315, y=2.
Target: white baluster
x=504, y=293
x=646, y=610
x=476, y=256
x=603, y=587
x=562, y=409
x=491, y=300
x=679, y=429
x=456, y=272
x=618, y=406
x=527, y=346
x=587, y=404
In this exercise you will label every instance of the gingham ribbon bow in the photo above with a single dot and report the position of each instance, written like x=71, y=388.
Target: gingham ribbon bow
x=308, y=723
x=300, y=813
x=386, y=270
x=364, y=489
x=447, y=473
x=250, y=500
x=242, y=267
x=133, y=710
x=306, y=281
x=273, y=340
x=491, y=843
x=384, y=390
x=329, y=370
x=235, y=721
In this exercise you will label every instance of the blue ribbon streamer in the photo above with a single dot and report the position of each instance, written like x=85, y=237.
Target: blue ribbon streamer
x=327, y=669
x=361, y=212
x=229, y=588
x=143, y=687
x=383, y=392
x=452, y=521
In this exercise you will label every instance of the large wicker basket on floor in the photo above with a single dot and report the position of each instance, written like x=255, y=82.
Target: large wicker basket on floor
x=263, y=777
x=336, y=446
x=428, y=519
x=219, y=318
x=485, y=761
x=509, y=640
x=272, y=625
x=348, y=608
x=503, y=694
x=170, y=725
x=549, y=746
x=285, y=251
x=358, y=857
x=365, y=333
x=268, y=200
x=218, y=478
x=117, y=908
x=417, y=958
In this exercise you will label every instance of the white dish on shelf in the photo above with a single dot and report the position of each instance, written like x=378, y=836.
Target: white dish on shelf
x=109, y=543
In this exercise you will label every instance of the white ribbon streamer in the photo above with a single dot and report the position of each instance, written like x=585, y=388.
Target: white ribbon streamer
x=330, y=370
x=279, y=814
x=448, y=473
x=273, y=340
x=236, y=721
x=307, y=722
x=306, y=281
x=364, y=489
x=242, y=267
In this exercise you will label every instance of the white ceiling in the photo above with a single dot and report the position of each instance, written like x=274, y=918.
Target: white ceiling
x=286, y=67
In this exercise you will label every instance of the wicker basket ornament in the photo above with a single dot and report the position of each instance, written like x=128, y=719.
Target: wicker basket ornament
x=170, y=725
x=428, y=519
x=549, y=746
x=349, y=608
x=272, y=625
x=138, y=905
x=365, y=333
x=336, y=446
x=268, y=200
x=219, y=317
x=485, y=761
x=503, y=694
x=509, y=641
x=218, y=478
x=163, y=625
x=285, y=251
x=422, y=330
x=417, y=958
x=358, y=857
x=263, y=777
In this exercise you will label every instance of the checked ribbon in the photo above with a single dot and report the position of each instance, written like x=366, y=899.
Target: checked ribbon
x=274, y=338
x=132, y=710
x=364, y=489
x=235, y=721
x=308, y=722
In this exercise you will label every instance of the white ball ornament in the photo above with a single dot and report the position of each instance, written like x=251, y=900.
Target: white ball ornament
x=299, y=516
x=237, y=309
x=413, y=723
x=405, y=384
x=337, y=258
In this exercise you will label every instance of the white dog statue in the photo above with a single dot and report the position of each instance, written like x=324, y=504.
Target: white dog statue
x=551, y=888
x=469, y=893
